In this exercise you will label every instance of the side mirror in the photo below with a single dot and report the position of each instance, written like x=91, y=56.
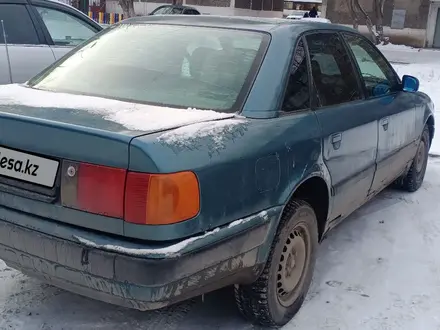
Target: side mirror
x=410, y=83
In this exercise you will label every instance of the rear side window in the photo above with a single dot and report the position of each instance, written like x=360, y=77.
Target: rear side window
x=191, y=12
x=18, y=25
x=179, y=66
x=169, y=10
x=65, y=29
x=297, y=95
x=332, y=70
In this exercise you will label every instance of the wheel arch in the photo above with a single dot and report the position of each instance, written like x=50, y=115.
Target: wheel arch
x=315, y=191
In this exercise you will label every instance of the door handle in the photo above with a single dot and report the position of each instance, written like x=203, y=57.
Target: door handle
x=336, y=140
x=384, y=122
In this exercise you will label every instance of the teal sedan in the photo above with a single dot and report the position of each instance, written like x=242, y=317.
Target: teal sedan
x=170, y=156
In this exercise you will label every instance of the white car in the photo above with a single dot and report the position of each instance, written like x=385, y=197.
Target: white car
x=316, y=19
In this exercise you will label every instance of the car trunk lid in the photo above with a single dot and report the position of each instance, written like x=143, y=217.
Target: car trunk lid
x=44, y=135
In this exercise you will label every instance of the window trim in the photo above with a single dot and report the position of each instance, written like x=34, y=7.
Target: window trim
x=359, y=72
x=35, y=24
x=317, y=106
x=281, y=112
x=62, y=9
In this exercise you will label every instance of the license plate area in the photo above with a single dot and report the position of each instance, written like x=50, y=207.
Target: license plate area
x=25, y=170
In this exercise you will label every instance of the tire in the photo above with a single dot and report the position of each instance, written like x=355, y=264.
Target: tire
x=413, y=180
x=274, y=298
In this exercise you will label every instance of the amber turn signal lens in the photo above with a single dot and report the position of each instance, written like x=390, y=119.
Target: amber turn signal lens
x=161, y=199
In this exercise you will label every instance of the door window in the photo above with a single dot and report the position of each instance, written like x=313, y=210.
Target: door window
x=160, y=11
x=168, y=10
x=297, y=95
x=378, y=77
x=65, y=29
x=332, y=69
x=191, y=12
x=18, y=25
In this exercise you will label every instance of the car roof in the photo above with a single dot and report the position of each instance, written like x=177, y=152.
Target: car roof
x=54, y=3
x=235, y=22
x=176, y=6
x=62, y=4
x=30, y=1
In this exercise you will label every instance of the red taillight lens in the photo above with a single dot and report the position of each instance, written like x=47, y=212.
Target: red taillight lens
x=99, y=189
x=136, y=197
x=140, y=198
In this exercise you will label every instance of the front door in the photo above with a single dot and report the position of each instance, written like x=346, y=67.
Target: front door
x=395, y=111
x=436, y=43
x=349, y=132
x=27, y=55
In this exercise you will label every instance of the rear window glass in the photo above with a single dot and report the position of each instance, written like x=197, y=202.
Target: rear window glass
x=180, y=66
x=169, y=11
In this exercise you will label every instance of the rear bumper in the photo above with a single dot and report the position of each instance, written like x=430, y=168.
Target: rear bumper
x=143, y=279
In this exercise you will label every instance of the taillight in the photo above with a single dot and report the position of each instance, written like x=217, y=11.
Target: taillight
x=140, y=198
x=93, y=188
x=161, y=199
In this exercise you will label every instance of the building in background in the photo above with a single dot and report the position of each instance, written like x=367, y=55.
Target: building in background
x=300, y=7
x=261, y=8
x=410, y=22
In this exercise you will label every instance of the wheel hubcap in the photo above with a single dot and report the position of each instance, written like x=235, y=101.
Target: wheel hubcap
x=293, y=262
x=420, y=157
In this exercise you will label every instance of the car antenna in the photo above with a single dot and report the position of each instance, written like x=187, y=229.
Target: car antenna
x=7, y=50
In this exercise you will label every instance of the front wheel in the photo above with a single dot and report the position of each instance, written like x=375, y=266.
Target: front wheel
x=280, y=290
x=413, y=180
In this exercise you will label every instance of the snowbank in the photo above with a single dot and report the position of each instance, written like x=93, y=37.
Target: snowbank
x=391, y=46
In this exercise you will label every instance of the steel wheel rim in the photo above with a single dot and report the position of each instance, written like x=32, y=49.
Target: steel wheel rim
x=420, y=156
x=293, y=262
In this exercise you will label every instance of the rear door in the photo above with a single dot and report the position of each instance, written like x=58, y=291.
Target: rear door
x=64, y=27
x=396, y=111
x=28, y=54
x=349, y=130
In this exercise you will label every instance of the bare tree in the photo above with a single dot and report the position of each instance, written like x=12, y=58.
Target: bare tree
x=354, y=14
x=127, y=8
x=376, y=30
x=378, y=11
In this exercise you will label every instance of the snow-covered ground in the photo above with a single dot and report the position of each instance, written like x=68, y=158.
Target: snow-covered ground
x=379, y=270
x=405, y=54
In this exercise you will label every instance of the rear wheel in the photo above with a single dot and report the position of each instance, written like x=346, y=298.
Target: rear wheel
x=281, y=288
x=413, y=180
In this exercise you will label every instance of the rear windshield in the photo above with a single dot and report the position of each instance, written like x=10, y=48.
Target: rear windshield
x=179, y=66
x=169, y=10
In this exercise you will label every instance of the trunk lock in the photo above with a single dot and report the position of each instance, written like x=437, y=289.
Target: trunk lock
x=71, y=171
